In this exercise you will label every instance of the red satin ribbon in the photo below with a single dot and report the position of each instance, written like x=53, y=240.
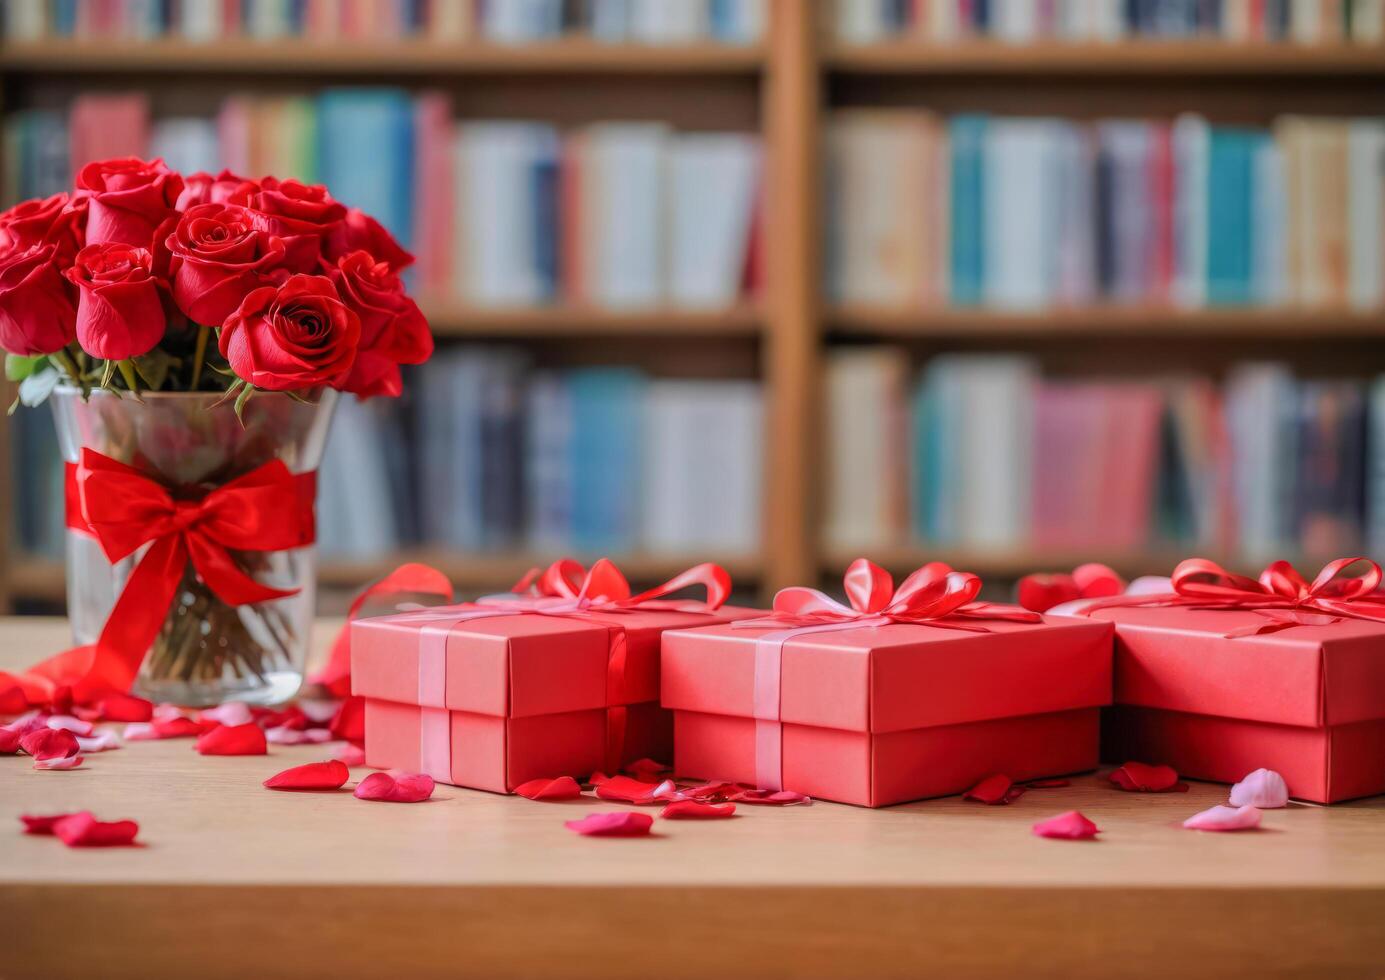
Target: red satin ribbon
x=1281, y=595
x=267, y=509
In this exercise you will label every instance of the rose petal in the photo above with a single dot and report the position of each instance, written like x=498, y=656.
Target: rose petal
x=993, y=790
x=562, y=788
x=289, y=717
x=125, y=707
x=64, y=762
x=692, y=810
x=9, y=741
x=84, y=830
x=314, y=775
x=766, y=797
x=232, y=714
x=175, y=728
x=623, y=789
x=350, y=755
x=395, y=786
x=50, y=743
x=598, y=777
x=349, y=721
x=1047, y=783
x=61, y=703
x=67, y=723
x=33, y=721
x=39, y=825
x=717, y=791
x=1067, y=826
x=619, y=824
x=1137, y=777
x=100, y=742
x=1224, y=818
x=1040, y=592
x=12, y=700
x=319, y=712
x=647, y=770
x=244, y=739
x=1264, y=788
x=163, y=711
x=285, y=735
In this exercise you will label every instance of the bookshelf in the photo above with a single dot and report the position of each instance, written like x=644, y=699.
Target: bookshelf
x=781, y=88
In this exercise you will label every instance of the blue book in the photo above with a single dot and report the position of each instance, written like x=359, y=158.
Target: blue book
x=545, y=212
x=967, y=137
x=366, y=153
x=1230, y=203
x=606, y=435
x=64, y=18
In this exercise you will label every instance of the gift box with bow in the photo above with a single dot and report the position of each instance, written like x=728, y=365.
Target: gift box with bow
x=1226, y=674
x=901, y=695
x=559, y=678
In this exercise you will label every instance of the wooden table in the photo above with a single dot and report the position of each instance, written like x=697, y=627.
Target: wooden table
x=236, y=880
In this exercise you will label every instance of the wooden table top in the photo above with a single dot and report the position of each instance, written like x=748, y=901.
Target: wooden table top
x=234, y=879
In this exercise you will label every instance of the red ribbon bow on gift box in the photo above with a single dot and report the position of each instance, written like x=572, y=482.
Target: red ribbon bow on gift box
x=566, y=586
x=1281, y=595
x=267, y=509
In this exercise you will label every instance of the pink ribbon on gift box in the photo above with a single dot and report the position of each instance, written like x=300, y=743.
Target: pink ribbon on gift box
x=1283, y=597
x=933, y=595
x=564, y=589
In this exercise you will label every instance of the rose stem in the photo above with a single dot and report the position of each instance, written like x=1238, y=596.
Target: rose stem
x=199, y=355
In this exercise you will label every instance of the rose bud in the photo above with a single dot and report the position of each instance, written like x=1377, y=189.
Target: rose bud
x=127, y=199
x=298, y=335
x=38, y=314
x=393, y=330
x=119, y=313
x=217, y=257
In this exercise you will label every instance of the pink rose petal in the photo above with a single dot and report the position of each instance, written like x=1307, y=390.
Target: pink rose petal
x=349, y=754
x=1264, y=789
x=1224, y=818
x=286, y=735
x=619, y=824
x=395, y=786
x=244, y=739
x=67, y=723
x=139, y=731
x=166, y=712
x=59, y=763
x=319, y=712
x=49, y=743
x=562, y=788
x=623, y=789
x=692, y=810
x=717, y=791
x=314, y=775
x=84, y=830
x=230, y=714
x=764, y=797
x=40, y=825
x=100, y=742
x=1067, y=826
x=9, y=741
x=1137, y=777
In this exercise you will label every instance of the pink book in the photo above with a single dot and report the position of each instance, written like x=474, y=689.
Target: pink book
x=1130, y=460
x=434, y=208
x=1064, y=416
x=1161, y=194
x=107, y=126
x=233, y=133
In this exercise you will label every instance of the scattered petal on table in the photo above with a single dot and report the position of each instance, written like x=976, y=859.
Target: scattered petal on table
x=562, y=788
x=284, y=735
x=32, y=721
x=50, y=743
x=623, y=789
x=692, y=810
x=395, y=786
x=12, y=700
x=1067, y=826
x=232, y=714
x=1137, y=777
x=125, y=707
x=244, y=739
x=9, y=741
x=716, y=791
x=349, y=721
x=100, y=742
x=39, y=825
x=84, y=830
x=782, y=797
x=1047, y=783
x=350, y=754
x=60, y=763
x=623, y=823
x=647, y=770
x=163, y=711
x=1264, y=788
x=318, y=711
x=174, y=728
x=1224, y=818
x=598, y=777
x=994, y=790
x=314, y=775
x=67, y=723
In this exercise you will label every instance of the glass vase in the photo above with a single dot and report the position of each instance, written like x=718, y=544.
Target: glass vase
x=207, y=651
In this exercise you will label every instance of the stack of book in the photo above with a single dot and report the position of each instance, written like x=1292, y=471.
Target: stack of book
x=983, y=453
x=1029, y=213
x=1025, y=21
x=500, y=213
x=499, y=21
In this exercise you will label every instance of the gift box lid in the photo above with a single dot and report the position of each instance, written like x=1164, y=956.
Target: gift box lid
x=898, y=676
x=1180, y=659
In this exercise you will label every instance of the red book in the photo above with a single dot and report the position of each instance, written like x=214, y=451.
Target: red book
x=107, y=126
x=435, y=209
x=1161, y=172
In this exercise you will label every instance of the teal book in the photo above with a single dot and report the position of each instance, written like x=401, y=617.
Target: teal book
x=924, y=489
x=607, y=416
x=1230, y=205
x=967, y=139
x=366, y=153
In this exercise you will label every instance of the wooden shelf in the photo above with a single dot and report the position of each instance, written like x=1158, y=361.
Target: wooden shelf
x=1109, y=322
x=451, y=320
x=1139, y=59
x=405, y=57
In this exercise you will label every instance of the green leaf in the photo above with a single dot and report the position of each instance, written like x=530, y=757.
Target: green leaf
x=241, y=400
x=107, y=374
x=35, y=389
x=155, y=366
x=18, y=367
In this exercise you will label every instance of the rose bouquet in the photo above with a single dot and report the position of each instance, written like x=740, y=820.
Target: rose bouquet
x=157, y=307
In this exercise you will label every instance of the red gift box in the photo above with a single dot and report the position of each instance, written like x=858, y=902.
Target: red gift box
x=904, y=695
x=493, y=694
x=1227, y=674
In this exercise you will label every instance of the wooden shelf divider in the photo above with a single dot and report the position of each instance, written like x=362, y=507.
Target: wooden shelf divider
x=452, y=320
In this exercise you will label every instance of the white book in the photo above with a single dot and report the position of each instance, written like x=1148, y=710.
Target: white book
x=450, y=20
x=1269, y=255
x=625, y=163
x=1368, y=21
x=1107, y=21
x=712, y=181
x=1236, y=20
x=865, y=446
x=200, y=20
x=1366, y=212
x=859, y=21
x=748, y=20
x=1015, y=21
x=25, y=20
x=668, y=21
x=1018, y=168
x=1191, y=147
x=188, y=144
x=995, y=449
x=1306, y=21
x=943, y=22
x=268, y=19
x=610, y=20
x=520, y=21
x=1257, y=396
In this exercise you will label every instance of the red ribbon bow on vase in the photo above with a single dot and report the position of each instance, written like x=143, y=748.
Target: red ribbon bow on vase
x=267, y=509
x=1284, y=597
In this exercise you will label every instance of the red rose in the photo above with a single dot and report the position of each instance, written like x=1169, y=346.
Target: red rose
x=294, y=336
x=360, y=231
x=393, y=330
x=303, y=215
x=203, y=188
x=119, y=315
x=127, y=199
x=217, y=258
x=37, y=312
